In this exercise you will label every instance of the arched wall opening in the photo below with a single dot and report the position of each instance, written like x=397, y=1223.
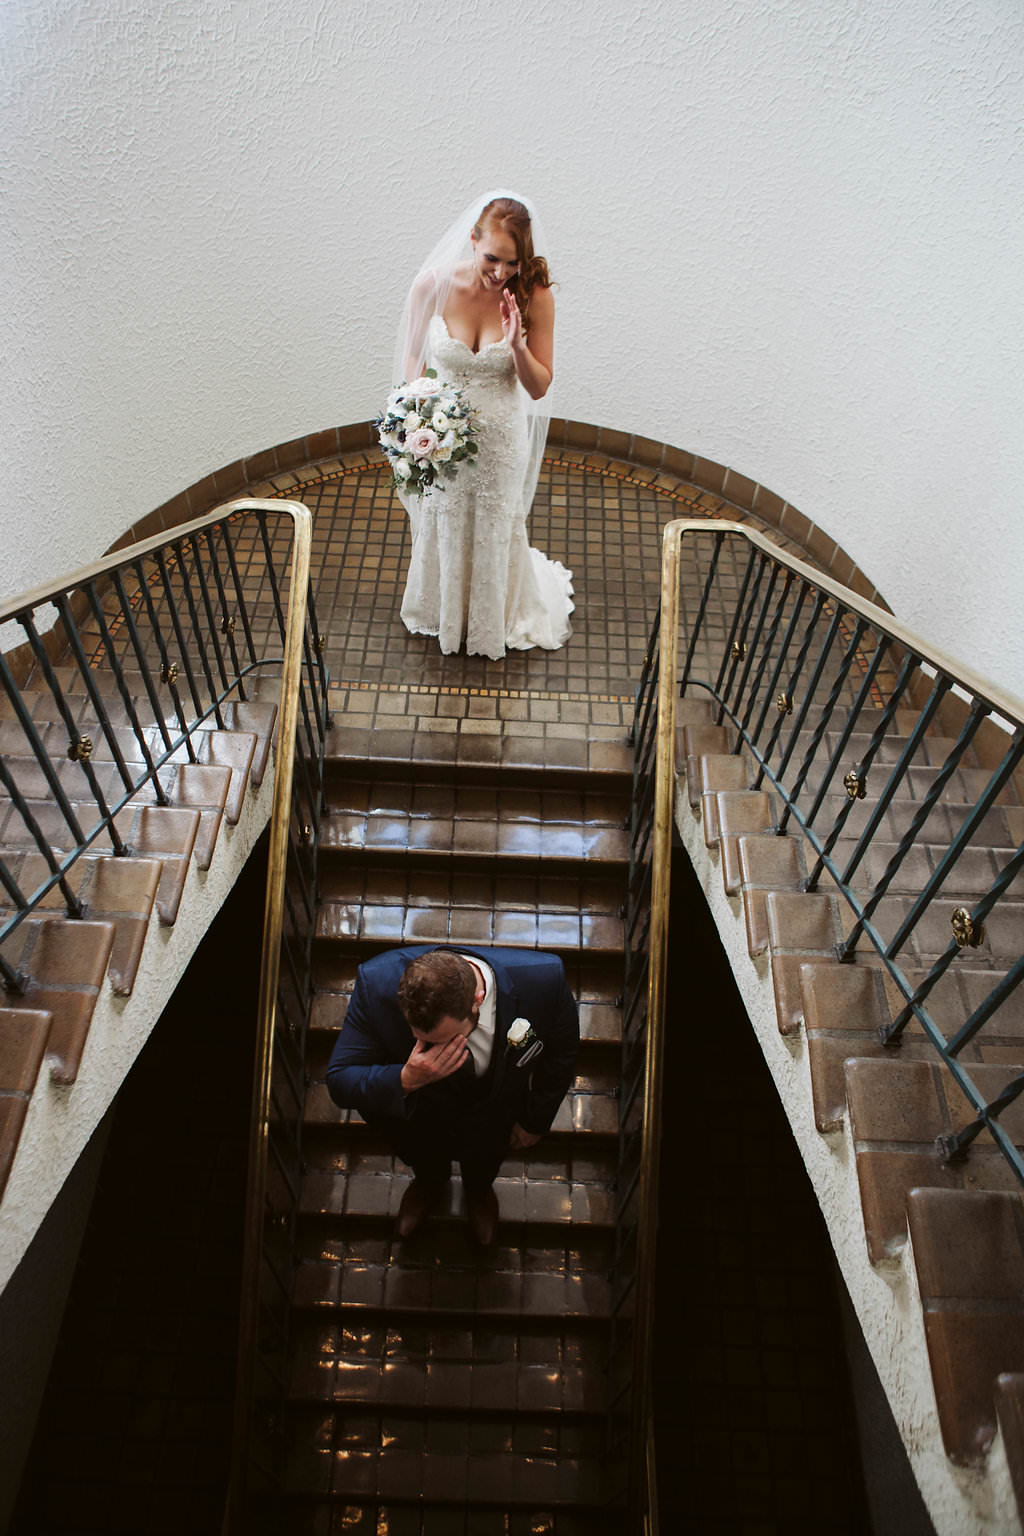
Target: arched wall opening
x=782, y=234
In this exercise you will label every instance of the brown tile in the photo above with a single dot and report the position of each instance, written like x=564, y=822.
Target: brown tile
x=801, y=921
x=233, y=750
x=69, y=952
x=968, y=1244
x=968, y=1351
x=886, y=1178
x=23, y=1035
x=69, y=1029
x=894, y=1101
x=707, y=474
x=739, y=489
x=12, y=1117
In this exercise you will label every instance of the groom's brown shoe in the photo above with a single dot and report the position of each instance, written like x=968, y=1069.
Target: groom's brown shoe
x=419, y=1200
x=483, y=1213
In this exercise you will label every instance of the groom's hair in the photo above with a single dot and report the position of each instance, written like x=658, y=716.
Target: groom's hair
x=435, y=986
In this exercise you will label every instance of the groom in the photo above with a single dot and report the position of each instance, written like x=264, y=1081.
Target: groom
x=456, y=1053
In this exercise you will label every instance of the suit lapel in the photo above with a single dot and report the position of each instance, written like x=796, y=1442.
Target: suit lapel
x=506, y=1008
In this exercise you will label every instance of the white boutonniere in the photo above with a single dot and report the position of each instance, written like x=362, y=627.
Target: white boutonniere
x=523, y=1041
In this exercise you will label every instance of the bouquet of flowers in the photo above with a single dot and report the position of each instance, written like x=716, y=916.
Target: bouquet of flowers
x=426, y=430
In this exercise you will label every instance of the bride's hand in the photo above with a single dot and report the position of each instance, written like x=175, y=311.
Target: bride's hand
x=511, y=319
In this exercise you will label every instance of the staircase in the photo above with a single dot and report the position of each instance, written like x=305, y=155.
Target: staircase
x=932, y=1251
x=63, y=1032
x=430, y=1381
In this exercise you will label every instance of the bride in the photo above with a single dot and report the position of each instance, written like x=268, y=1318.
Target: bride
x=481, y=312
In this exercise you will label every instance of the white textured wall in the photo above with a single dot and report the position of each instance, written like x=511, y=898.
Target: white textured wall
x=788, y=232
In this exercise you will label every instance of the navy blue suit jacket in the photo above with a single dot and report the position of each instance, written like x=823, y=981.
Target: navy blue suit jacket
x=375, y=1040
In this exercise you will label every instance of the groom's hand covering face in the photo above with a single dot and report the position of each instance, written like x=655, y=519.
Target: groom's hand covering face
x=436, y=1054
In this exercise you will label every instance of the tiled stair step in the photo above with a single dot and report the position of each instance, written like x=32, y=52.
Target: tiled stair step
x=463, y=822
x=594, y=980
x=590, y=1107
x=538, y=918
x=546, y=1493
x=65, y=961
x=522, y=1366
x=565, y=1183
x=536, y=1273
x=509, y=762
x=1001, y=827
x=600, y=1022
x=969, y=1253
x=844, y=1006
x=897, y=1109
x=23, y=1036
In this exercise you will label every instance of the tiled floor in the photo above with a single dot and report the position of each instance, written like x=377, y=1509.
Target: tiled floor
x=603, y=518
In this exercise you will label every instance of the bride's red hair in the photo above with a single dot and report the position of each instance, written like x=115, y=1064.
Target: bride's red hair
x=513, y=217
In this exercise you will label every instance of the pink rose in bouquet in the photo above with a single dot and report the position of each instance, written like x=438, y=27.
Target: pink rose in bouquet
x=421, y=443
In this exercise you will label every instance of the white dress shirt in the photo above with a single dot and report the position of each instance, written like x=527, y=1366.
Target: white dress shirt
x=481, y=1038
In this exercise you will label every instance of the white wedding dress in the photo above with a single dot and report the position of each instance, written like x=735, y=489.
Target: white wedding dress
x=473, y=578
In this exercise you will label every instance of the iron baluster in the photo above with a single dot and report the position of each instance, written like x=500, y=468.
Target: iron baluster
x=142, y=660
x=95, y=697
x=896, y=777
x=644, y=689
x=891, y=1034
x=79, y=747
x=227, y=623
x=40, y=753
x=971, y=822
x=243, y=606
x=42, y=842
x=113, y=661
x=780, y=662
x=738, y=649
x=877, y=737
x=214, y=632
x=756, y=646
x=1004, y=988
x=838, y=684
x=275, y=590
x=168, y=669
x=806, y=702
x=801, y=661
x=849, y=727
x=11, y=885
x=197, y=636
x=954, y=1147
x=731, y=637
x=908, y=839
x=699, y=621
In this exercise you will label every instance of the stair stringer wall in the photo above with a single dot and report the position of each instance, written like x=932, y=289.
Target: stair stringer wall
x=961, y=1501
x=61, y=1120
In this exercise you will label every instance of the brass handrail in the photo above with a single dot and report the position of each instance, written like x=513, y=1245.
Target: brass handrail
x=270, y=963
x=641, y=1452
x=12, y=606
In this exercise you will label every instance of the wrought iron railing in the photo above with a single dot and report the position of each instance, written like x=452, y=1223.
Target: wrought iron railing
x=819, y=688
x=123, y=668
x=133, y=657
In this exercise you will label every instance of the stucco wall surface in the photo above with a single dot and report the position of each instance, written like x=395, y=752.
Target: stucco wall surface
x=787, y=233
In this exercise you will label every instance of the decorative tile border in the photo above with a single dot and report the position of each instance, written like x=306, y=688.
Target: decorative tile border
x=710, y=489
